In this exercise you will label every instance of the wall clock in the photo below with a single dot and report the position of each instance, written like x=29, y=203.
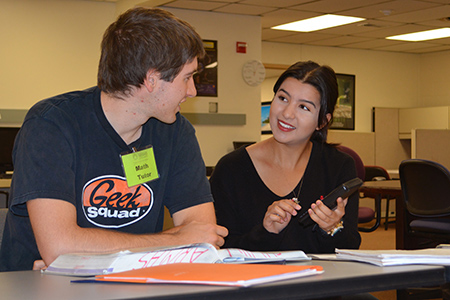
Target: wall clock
x=253, y=72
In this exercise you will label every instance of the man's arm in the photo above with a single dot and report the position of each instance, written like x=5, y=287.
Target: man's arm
x=56, y=231
x=203, y=213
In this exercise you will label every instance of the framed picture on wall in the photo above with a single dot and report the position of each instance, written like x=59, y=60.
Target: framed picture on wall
x=265, y=125
x=206, y=79
x=344, y=113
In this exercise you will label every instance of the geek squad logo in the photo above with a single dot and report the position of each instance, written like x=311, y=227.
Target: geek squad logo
x=108, y=202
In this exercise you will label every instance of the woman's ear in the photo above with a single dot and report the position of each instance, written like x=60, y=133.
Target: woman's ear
x=328, y=116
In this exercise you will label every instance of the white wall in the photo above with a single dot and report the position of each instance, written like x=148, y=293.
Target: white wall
x=49, y=47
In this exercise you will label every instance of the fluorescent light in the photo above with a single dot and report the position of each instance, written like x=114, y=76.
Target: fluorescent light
x=422, y=35
x=318, y=23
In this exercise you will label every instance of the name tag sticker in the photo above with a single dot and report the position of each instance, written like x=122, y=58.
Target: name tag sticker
x=139, y=166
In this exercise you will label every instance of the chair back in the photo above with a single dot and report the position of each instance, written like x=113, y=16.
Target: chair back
x=376, y=173
x=360, y=171
x=426, y=187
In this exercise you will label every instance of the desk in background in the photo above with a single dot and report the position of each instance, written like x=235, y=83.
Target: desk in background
x=339, y=279
x=386, y=189
x=394, y=174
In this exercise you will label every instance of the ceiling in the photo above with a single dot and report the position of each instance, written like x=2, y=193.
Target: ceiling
x=383, y=18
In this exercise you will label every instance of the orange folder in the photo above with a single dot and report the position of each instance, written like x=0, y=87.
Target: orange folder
x=212, y=274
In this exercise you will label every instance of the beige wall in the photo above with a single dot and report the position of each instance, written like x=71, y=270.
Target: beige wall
x=383, y=79
x=234, y=96
x=52, y=46
x=49, y=47
x=434, y=77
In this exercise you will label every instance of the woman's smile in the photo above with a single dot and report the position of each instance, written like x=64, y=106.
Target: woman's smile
x=285, y=126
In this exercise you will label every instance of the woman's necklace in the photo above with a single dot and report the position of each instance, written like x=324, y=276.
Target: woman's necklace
x=295, y=198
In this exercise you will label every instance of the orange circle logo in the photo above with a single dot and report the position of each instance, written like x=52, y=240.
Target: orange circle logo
x=108, y=202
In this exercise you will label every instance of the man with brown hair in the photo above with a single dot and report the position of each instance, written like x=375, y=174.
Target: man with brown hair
x=95, y=168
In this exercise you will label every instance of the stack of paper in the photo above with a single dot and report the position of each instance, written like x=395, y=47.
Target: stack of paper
x=213, y=274
x=432, y=256
x=86, y=264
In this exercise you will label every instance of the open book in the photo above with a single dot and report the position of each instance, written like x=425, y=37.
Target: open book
x=85, y=264
x=212, y=274
x=430, y=256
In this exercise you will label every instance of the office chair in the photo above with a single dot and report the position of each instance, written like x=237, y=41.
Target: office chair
x=379, y=173
x=426, y=189
x=376, y=173
x=365, y=214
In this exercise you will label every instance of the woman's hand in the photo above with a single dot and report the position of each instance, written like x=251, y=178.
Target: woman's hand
x=279, y=214
x=326, y=218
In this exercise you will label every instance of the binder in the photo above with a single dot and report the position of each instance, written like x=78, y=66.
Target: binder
x=242, y=275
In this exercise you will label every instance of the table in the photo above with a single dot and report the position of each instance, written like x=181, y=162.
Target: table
x=390, y=189
x=339, y=278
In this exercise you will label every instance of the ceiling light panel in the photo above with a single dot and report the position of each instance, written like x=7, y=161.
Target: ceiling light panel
x=422, y=35
x=318, y=23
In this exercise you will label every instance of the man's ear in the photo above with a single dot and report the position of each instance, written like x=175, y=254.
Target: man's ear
x=151, y=79
x=328, y=116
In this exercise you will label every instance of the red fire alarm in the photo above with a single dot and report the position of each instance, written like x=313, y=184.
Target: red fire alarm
x=241, y=47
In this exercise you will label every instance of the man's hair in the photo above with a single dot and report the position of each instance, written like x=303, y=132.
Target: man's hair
x=141, y=40
x=323, y=78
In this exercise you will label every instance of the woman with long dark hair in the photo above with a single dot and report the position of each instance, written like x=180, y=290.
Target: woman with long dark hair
x=260, y=190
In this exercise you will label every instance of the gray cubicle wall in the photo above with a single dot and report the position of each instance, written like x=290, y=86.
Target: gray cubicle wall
x=431, y=144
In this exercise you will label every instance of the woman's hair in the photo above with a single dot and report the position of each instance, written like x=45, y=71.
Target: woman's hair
x=141, y=40
x=323, y=78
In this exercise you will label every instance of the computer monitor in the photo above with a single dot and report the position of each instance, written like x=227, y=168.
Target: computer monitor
x=7, y=137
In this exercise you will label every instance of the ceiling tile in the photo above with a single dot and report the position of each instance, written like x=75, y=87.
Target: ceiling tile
x=334, y=6
x=372, y=44
x=272, y=33
x=392, y=7
x=282, y=16
x=420, y=15
x=338, y=41
x=301, y=38
x=400, y=16
x=275, y=3
x=359, y=27
x=224, y=1
x=428, y=50
x=243, y=9
x=197, y=5
x=407, y=46
x=395, y=30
